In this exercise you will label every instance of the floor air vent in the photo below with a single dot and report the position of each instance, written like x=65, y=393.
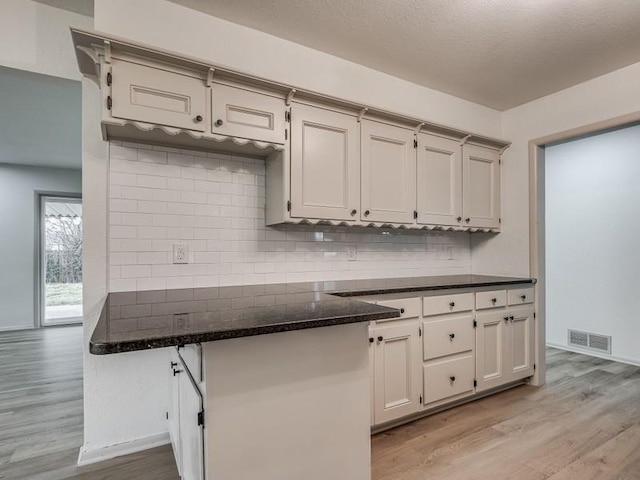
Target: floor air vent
x=590, y=341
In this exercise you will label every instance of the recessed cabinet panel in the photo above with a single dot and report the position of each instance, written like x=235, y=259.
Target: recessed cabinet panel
x=520, y=343
x=459, y=302
x=243, y=113
x=397, y=371
x=490, y=355
x=448, y=377
x=521, y=296
x=439, y=180
x=409, y=307
x=325, y=164
x=481, y=187
x=157, y=96
x=388, y=173
x=446, y=336
x=492, y=299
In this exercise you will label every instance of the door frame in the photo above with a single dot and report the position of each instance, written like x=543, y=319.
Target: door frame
x=537, y=247
x=39, y=252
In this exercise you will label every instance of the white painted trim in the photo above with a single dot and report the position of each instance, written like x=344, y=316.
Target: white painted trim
x=589, y=353
x=15, y=328
x=87, y=457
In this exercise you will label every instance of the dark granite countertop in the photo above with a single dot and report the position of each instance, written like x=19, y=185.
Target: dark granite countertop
x=132, y=321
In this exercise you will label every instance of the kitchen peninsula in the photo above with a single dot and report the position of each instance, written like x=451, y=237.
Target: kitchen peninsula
x=280, y=397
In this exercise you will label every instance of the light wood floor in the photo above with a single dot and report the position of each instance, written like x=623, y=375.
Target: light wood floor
x=583, y=425
x=41, y=413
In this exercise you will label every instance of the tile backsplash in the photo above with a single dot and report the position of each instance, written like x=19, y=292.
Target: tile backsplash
x=214, y=203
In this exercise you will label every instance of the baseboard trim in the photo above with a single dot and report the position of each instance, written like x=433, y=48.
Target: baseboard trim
x=630, y=361
x=87, y=457
x=16, y=328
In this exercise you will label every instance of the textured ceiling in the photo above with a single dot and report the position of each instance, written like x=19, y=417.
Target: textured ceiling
x=499, y=53
x=40, y=120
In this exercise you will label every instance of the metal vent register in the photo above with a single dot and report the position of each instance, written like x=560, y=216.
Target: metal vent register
x=590, y=341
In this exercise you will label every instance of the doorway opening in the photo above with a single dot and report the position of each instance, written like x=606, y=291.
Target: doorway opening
x=60, y=279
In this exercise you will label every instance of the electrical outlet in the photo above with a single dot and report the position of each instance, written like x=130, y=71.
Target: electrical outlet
x=352, y=253
x=180, y=253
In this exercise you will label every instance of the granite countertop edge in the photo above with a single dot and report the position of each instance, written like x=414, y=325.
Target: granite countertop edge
x=104, y=347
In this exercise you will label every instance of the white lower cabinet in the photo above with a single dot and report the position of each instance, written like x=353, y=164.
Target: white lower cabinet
x=186, y=419
x=446, y=348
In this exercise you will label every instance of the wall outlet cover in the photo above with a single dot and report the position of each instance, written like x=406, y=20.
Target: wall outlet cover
x=180, y=253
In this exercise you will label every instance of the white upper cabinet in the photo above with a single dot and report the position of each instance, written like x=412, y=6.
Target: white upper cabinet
x=325, y=164
x=388, y=173
x=481, y=187
x=439, y=180
x=157, y=96
x=242, y=113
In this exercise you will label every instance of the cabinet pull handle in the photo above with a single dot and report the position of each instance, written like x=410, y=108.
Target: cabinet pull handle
x=459, y=219
x=174, y=364
x=494, y=300
x=380, y=338
x=467, y=220
x=452, y=378
x=506, y=319
x=523, y=297
x=366, y=213
x=402, y=310
x=452, y=304
x=371, y=339
x=511, y=318
x=452, y=336
x=353, y=212
x=175, y=372
x=198, y=118
x=219, y=122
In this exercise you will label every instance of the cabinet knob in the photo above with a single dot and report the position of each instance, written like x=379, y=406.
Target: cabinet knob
x=174, y=364
x=452, y=336
x=506, y=319
x=380, y=338
x=452, y=304
x=371, y=339
x=198, y=118
x=366, y=213
x=494, y=300
x=523, y=297
x=467, y=220
x=402, y=310
x=452, y=378
x=353, y=212
x=219, y=122
x=459, y=219
x=511, y=318
x=175, y=372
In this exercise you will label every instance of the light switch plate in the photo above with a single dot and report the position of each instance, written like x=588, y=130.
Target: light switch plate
x=180, y=253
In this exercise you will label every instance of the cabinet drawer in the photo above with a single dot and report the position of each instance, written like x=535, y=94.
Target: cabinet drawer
x=497, y=298
x=520, y=296
x=459, y=302
x=447, y=336
x=156, y=96
x=243, y=113
x=447, y=378
x=409, y=307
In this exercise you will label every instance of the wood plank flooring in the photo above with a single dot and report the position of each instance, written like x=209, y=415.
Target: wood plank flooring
x=583, y=425
x=41, y=427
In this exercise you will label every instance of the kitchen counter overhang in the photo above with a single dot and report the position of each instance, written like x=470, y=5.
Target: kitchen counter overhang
x=131, y=321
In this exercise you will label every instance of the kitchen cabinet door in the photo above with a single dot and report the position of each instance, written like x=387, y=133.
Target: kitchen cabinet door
x=388, y=165
x=173, y=412
x=325, y=164
x=520, y=341
x=439, y=180
x=481, y=187
x=243, y=113
x=157, y=96
x=490, y=350
x=398, y=379
x=191, y=434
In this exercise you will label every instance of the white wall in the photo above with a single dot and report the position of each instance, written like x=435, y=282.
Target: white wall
x=592, y=239
x=124, y=395
x=36, y=37
x=602, y=98
x=18, y=242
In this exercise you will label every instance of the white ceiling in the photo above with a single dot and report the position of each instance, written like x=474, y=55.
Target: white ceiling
x=83, y=7
x=40, y=120
x=499, y=53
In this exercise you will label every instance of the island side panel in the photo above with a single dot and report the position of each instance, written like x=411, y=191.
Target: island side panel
x=289, y=406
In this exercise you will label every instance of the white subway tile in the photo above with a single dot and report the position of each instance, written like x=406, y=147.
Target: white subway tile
x=152, y=156
x=152, y=181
